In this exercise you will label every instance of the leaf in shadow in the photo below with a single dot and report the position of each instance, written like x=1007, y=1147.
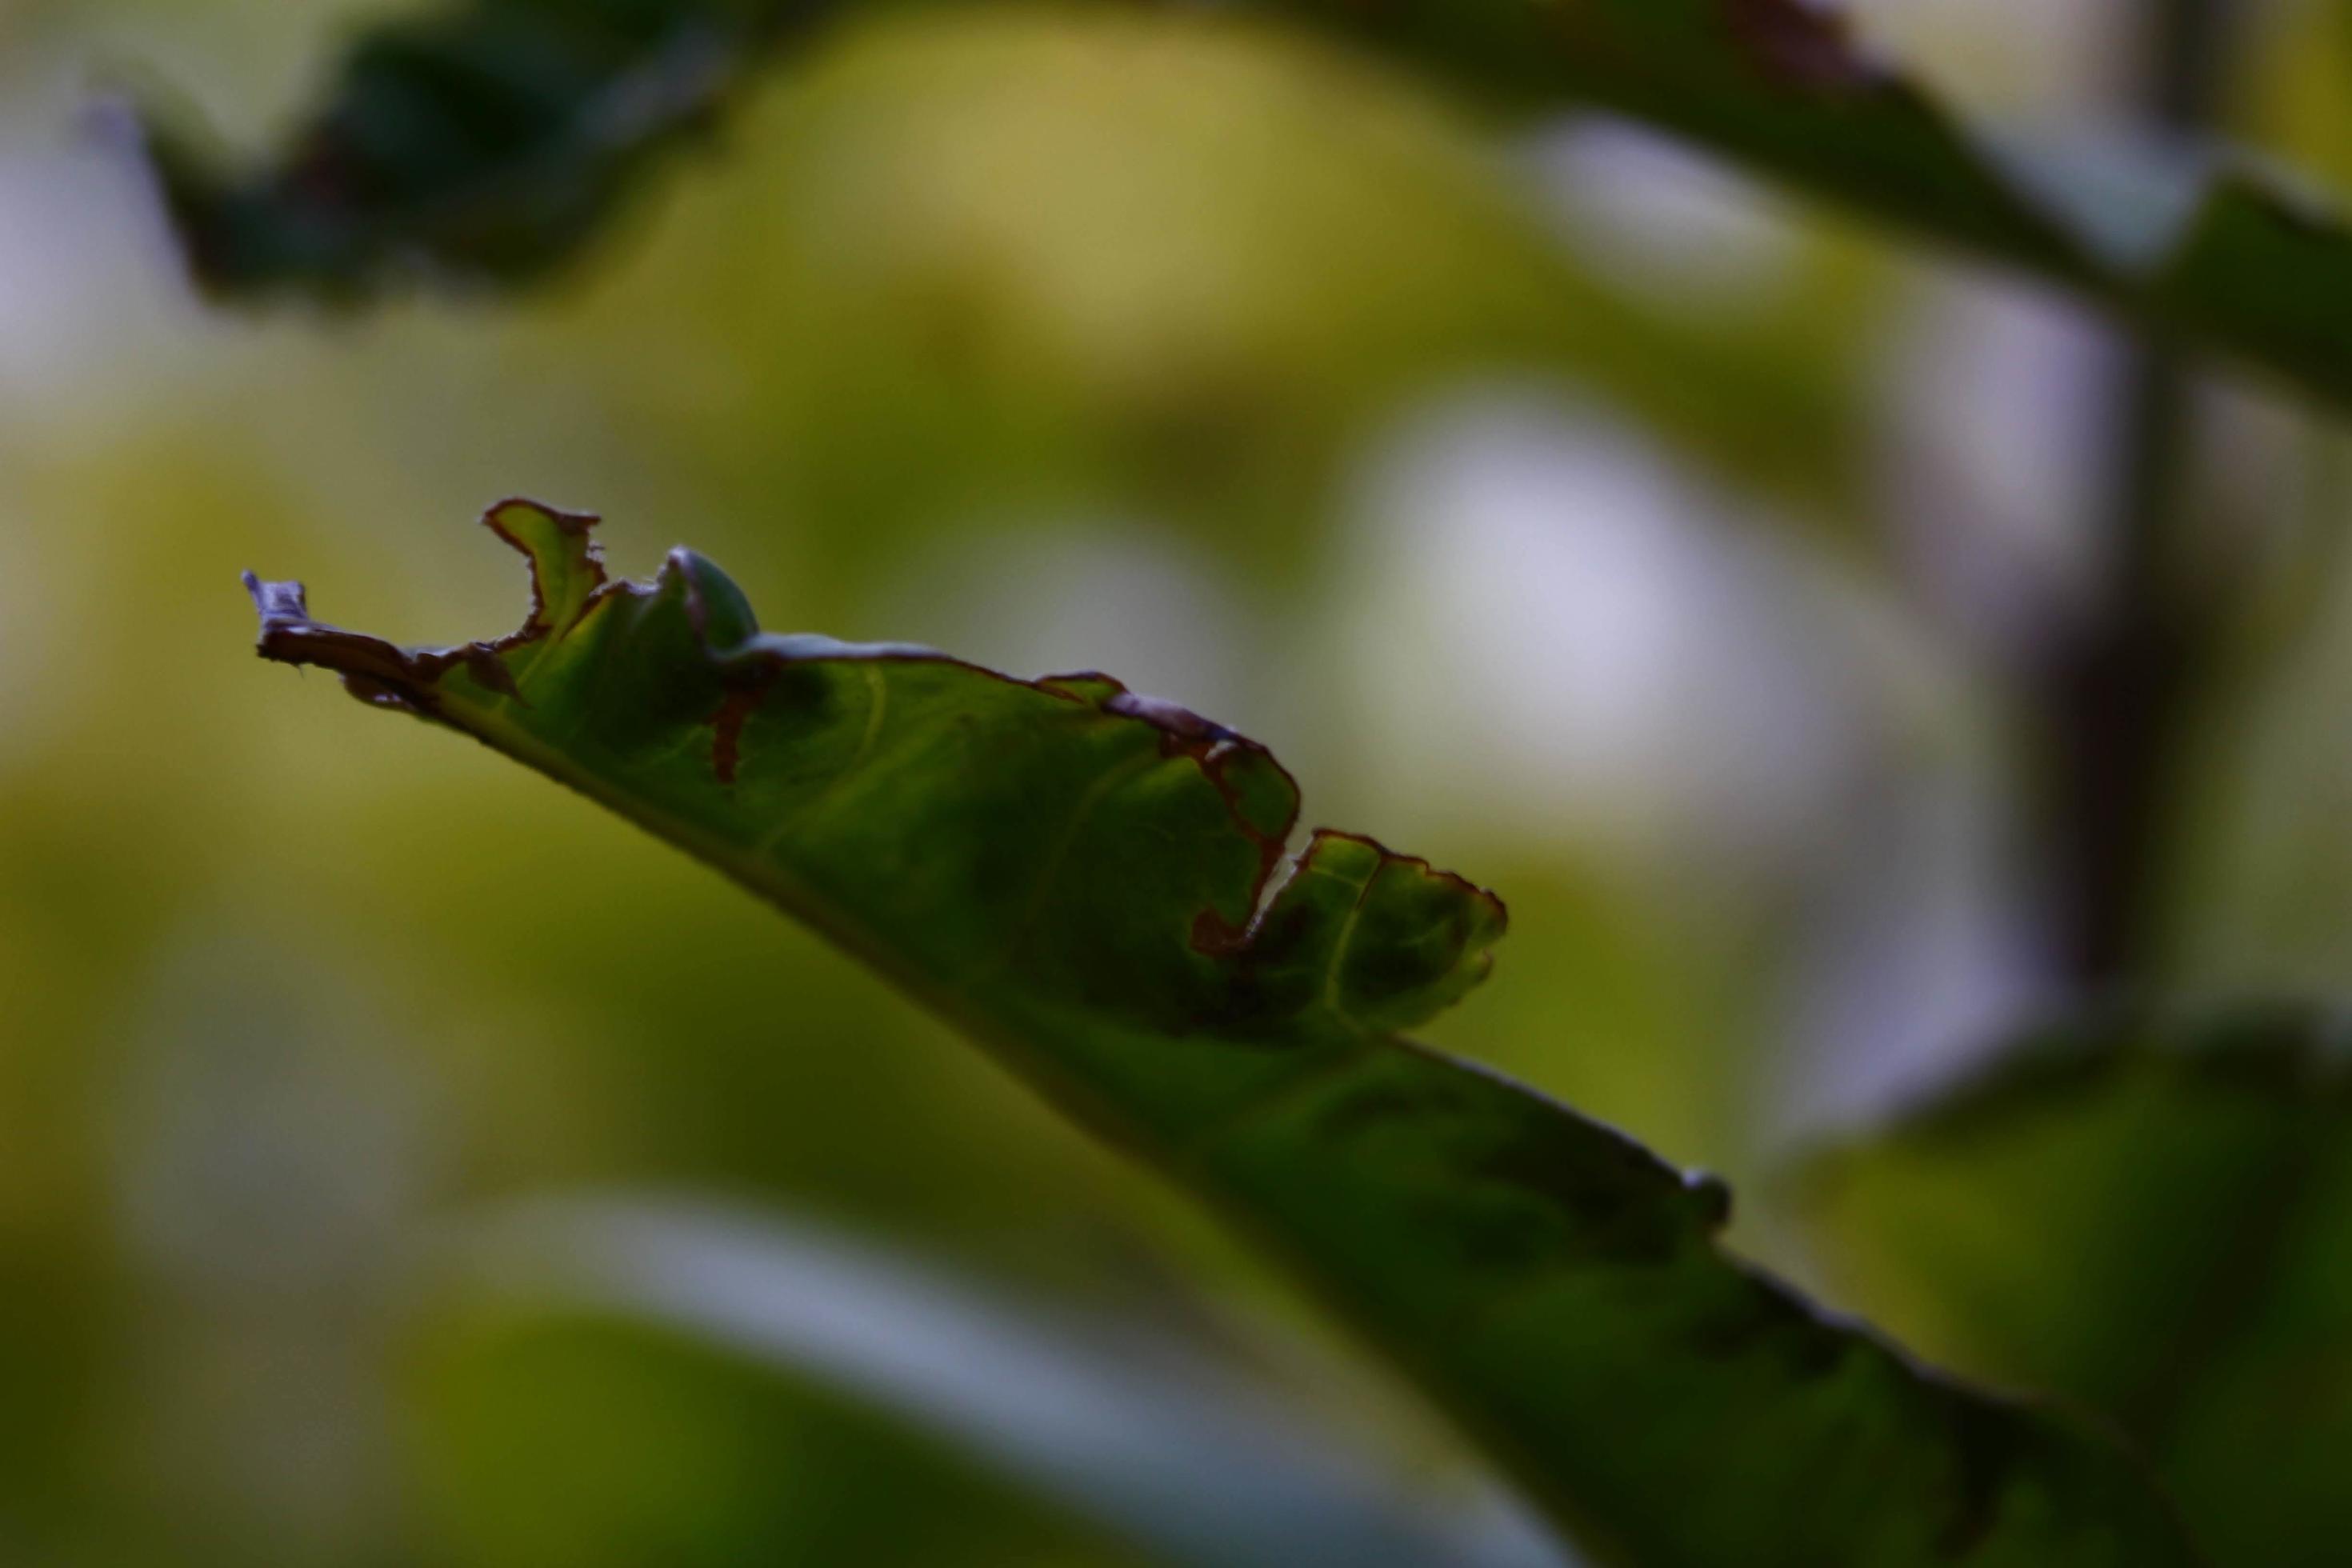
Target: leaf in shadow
x=2151, y=1214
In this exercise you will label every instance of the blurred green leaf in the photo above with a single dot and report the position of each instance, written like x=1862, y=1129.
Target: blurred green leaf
x=1093, y=884
x=489, y=139
x=2151, y=1218
x=486, y=141
x=1143, y=1434
x=596, y=1438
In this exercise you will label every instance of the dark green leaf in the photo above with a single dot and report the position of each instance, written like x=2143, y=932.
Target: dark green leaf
x=485, y=142
x=1094, y=885
x=2154, y=1218
x=489, y=140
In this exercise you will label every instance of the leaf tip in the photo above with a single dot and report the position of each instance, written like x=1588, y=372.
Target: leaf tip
x=282, y=608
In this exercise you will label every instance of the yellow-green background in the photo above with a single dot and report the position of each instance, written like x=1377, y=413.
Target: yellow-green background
x=1645, y=546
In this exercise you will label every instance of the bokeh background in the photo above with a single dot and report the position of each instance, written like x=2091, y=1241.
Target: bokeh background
x=1660, y=550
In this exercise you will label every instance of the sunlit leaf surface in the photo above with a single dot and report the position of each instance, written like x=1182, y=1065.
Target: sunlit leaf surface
x=2153, y=1219
x=1095, y=885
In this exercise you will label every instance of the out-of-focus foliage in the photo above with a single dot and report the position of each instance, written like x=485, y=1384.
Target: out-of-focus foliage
x=227, y=1105
x=1493, y=473
x=1155, y=301
x=1158, y=1437
x=1090, y=884
x=489, y=139
x=2152, y=1218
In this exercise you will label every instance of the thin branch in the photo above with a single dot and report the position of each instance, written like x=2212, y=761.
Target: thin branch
x=2122, y=678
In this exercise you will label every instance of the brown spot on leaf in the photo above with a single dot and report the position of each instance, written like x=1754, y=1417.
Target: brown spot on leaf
x=1214, y=936
x=1214, y=750
x=744, y=698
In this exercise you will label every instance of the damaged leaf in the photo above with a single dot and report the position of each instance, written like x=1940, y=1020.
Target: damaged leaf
x=1097, y=887
x=2152, y=1216
x=491, y=138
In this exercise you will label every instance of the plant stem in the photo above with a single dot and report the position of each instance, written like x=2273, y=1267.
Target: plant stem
x=2124, y=674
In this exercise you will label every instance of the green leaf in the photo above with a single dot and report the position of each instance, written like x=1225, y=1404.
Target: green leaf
x=489, y=140
x=486, y=141
x=1093, y=884
x=2153, y=1217
x=1145, y=1434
